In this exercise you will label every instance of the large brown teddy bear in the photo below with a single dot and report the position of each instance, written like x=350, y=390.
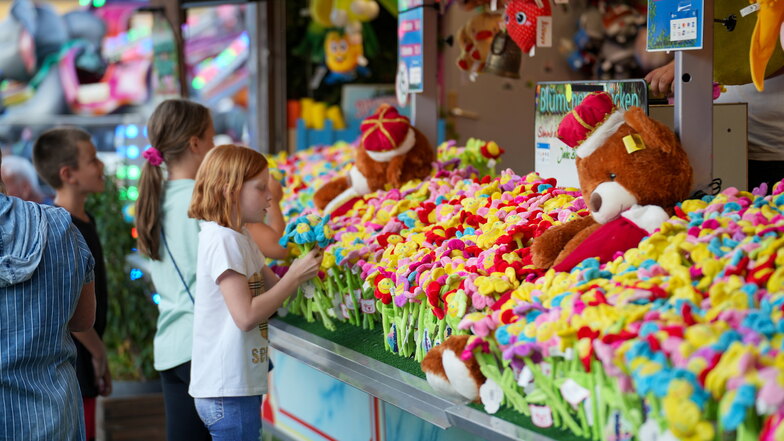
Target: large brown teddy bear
x=632, y=172
x=391, y=152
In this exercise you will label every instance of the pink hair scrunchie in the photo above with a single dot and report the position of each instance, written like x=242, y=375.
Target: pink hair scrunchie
x=153, y=156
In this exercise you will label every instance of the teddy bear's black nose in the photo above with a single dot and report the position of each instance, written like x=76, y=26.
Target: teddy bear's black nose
x=595, y=204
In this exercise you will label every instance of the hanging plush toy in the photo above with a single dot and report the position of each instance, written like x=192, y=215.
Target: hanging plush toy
x=344, y=57
x=475, y=38
x=763, y=41
x=522, y=17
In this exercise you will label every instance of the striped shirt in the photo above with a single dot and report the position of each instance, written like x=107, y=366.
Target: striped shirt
x=44, y=263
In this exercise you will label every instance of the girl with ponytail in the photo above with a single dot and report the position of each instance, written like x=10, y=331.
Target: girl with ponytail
x=180, y=133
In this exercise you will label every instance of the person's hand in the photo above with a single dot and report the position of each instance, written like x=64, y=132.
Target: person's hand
x=275, y=189
x=105, y=385
x=100, y=367
x=307, y=267
x=661, y=80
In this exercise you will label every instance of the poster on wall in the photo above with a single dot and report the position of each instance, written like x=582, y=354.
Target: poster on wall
x=359, y=101
x=409, y=37
x=554, y=100
x=674, y=25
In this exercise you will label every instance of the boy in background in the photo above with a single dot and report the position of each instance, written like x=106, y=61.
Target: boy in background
x=66, y=159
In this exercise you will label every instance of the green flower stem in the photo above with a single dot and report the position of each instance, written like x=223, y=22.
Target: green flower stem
x=595, y=432
x=599, y=403
x=488, y=364
x=351, y=291
x=553, y=369
x=386, y=318
x=419, y=353
x=749, y=429
x=323, y=304
x=656, y=412
x=549, y=389
x=583, y=419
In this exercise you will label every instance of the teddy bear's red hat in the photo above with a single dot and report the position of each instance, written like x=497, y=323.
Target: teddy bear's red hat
x=386, y=134
x=590, y=123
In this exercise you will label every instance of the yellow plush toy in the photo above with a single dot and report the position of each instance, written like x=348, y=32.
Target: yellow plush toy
x=766, y=35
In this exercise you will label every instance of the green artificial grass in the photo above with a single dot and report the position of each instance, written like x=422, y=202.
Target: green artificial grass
x=371, y=344
x=510, y=415
x=366, y=342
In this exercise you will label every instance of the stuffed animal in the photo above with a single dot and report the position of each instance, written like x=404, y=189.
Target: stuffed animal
x=522, y=17
x=763, y=40
x=391, y=152
x=632, y=172
x=475, y=38
x=344, y=57
x=450, y=375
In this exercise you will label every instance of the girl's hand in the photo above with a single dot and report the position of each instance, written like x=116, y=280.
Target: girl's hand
x=307, y=267
x=276, y=189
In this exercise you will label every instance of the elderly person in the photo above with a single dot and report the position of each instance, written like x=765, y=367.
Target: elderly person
x=20, y=179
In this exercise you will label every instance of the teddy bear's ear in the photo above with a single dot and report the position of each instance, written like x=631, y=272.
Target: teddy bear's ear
x=653, y=133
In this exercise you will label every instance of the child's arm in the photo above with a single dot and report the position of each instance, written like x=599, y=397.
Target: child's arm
x=83, y=317
x=267, y=234
x=248, y=311
x=266, y=239
x=95, y=346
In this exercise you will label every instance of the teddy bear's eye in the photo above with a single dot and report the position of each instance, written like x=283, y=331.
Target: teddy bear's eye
x=612, y=176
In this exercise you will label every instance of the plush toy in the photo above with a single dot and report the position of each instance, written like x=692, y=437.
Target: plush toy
x=391, y=152
x=475, y=38
x=632, y=172
x=616, y=60
x=522, y=17
x=763, y=40
x=448, y=374
x=344, y=57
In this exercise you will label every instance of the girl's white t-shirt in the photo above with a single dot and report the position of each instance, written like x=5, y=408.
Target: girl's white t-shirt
x=227, y=362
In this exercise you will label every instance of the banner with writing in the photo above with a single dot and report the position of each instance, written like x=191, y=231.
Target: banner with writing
x=554, y=100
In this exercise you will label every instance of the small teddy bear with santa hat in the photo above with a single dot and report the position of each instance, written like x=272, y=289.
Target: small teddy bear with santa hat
x=391, y=152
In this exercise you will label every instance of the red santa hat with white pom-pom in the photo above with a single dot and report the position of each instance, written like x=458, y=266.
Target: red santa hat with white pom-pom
x=590, y=123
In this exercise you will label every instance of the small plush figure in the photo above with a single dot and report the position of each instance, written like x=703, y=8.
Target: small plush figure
x=475, y=38
x=391, y=152
x=344, y=57
x=448, y=374
x=522, y=18
x=632, y=172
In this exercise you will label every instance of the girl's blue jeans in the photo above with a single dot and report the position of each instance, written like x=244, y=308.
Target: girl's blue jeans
x=231, y=418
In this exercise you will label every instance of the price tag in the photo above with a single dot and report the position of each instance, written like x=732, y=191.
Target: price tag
x=573, y=392
x=544, y=31
x=754, y=7
x=491, y=395
x=349, y=301
x=541, y=416
x=367, y=306
x=308, y=290
x=526, y=377
x=344, y=310
x=547, y=368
